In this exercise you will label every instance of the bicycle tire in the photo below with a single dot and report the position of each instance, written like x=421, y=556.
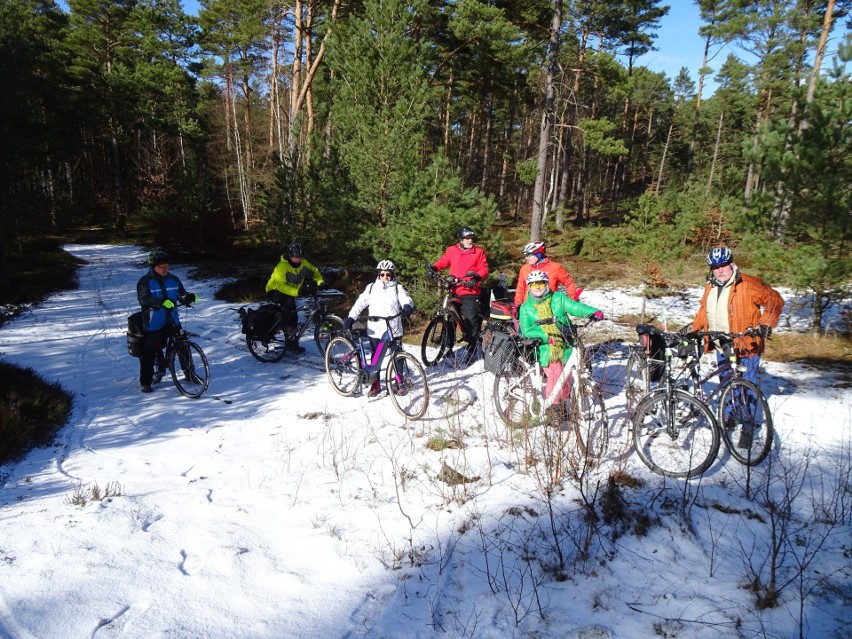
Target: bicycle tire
x=411, y=396
x=688, y=448
x=514, y=395
x=327, y=327
x=587, y=414
x=271, y=350
x=192, y=373
x=749, y=439
x=637, y=382
x=440, y=334
x=343, y=366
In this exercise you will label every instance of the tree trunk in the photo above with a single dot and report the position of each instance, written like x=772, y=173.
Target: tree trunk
x=715, y=154
x=539, y=202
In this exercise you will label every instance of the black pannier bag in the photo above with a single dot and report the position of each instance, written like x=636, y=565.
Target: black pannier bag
x=135, y=335
x=259, y=323
x=497, y=350
x=654, y=346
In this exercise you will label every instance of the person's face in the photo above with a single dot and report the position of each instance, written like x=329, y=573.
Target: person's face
x=723, y=273
x=386, y=275
x=467, y=242
x=161, y=269
x=295, y=260
x=531, y=259
x=538, y=289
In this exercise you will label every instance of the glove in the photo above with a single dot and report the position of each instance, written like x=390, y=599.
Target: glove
x=685, y=330
x=431, y=268
x=577, y=292
x=763, y=330
x=190, y=298
x=347, y=323
x=473, y=275
x=597, y=316
x=407, y=310
x=168, y=304
x=469, y=284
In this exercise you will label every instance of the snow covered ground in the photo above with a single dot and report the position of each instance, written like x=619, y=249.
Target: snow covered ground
x=272, y=507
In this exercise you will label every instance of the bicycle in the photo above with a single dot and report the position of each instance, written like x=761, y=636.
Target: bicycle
x=194, y=376
x=742, y=409
x=442, y=329
x=673, y=431
x=519, y=392
x=348, y=370
x=268, y=343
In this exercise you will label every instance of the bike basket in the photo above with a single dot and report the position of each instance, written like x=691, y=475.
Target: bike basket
x=135, y=335
x=501, y=310
x=497, y=349
x=260, y=322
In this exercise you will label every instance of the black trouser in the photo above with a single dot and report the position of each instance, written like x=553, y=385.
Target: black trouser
x=471, y=318
x=289, y=316
x=152, y=344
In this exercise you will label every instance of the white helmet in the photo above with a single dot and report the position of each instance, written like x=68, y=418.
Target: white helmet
x=385, y=265
x=537, y=276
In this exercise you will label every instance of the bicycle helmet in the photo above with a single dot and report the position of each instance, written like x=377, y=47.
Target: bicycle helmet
x=720, y=256
x=464, y=232
x=157, y=257
x=534, y=247
x=294, y=250
x=537, y=276
x=385, y=265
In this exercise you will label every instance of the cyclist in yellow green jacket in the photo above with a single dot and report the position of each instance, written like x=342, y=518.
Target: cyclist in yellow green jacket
x=291, y=275
x=536, y=318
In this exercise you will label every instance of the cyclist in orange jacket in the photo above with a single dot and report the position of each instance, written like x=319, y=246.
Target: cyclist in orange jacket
x=557, y=277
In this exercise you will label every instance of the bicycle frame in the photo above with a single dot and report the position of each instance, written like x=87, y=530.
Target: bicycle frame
x=315, y=308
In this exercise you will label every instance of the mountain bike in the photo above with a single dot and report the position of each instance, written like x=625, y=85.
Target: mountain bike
x=349, y=370
x=447, y=327
x=742, y=413
x=519, y=392
x=267, y=342
x=191, y=375
x=673, y=431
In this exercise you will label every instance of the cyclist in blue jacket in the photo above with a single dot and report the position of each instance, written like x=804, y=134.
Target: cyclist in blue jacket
x=158, y=292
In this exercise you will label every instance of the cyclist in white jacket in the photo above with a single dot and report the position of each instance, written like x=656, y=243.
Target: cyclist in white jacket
x=385, y=297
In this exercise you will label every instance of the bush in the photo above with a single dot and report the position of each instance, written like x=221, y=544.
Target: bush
x=31, y=411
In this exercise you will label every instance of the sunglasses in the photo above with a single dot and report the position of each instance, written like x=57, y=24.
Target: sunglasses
x=538, y=284
x=385, y=274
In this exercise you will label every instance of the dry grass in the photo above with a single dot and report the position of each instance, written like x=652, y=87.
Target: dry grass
x=809, y=348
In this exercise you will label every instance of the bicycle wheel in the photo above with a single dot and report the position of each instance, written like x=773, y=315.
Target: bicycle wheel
x=587, y=415
x=440, y=334
x=343, y=366
x=746, y=422
x=326, y=328
x=637, y=382
x=271, y=350
x=515, y=396
x=675, y=436
x=405, y=380
x=189, y=368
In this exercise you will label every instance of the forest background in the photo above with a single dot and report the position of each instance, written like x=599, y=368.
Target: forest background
x=373, y=129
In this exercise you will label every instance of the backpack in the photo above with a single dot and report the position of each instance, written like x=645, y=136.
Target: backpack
x=135, y=335
x=498, y=350
x=259, y=323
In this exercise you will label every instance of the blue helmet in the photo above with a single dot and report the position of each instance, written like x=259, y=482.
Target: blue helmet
x=720, y=256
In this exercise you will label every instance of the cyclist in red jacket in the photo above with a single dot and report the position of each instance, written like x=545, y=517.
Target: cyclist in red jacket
x=535, y=259
x=467, y=263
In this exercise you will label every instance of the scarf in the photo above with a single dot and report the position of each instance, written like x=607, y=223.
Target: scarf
x=554, y=335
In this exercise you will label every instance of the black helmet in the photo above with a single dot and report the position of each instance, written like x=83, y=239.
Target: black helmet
x=294, y=250
x=464, y=232
x=157, y=257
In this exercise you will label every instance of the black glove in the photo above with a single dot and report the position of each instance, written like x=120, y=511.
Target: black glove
x=431, y=268
x=469, y=284
x=473, y=275
x=685, y=330
x=347, y=323
x=407, y=310
x=763, y=331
